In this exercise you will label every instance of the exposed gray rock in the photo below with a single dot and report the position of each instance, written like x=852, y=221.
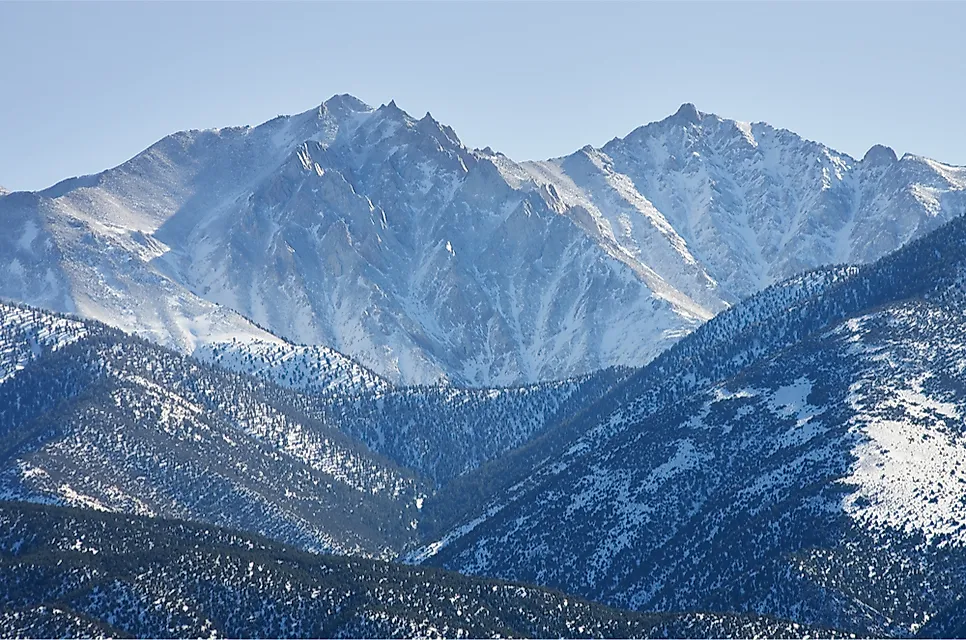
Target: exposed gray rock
x=384, y=237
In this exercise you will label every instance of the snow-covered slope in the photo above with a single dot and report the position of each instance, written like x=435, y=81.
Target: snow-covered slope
x=382, y=236
x=92, y=417
x=306, y=449
x=314, y=369
x=721, y=208
x=800, y=455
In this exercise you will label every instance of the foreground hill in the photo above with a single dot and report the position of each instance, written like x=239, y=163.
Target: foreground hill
x=802, y=455
x=77, y=573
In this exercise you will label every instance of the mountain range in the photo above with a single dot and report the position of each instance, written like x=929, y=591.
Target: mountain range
x=383, y=237
x=800, y=455
x=711, y=376
x=92, y=417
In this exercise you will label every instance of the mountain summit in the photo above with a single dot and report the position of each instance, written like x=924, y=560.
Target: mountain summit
x=687, y=112
x=383, y=236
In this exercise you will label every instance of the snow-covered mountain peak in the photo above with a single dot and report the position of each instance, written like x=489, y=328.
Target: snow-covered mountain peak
x=751, y=203
x=392, y=110
x=346, y=103
x=687, y=112
x=880, y=154
x=382, y=236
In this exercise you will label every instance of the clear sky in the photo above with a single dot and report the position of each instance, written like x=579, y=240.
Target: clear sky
x=85, y=86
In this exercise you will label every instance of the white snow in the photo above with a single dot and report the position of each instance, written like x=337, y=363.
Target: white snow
x=910, y=469
x=603, y=257
x=792, y=401
x=30, y=233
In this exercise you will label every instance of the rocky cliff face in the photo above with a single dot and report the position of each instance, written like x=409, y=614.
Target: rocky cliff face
x=384, y=237
x=721, y=208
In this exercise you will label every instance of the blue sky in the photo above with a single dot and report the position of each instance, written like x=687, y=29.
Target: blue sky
x=84, y=86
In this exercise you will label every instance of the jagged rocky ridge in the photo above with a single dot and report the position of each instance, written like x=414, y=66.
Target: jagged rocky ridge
x=801, y=455
x=382, y=236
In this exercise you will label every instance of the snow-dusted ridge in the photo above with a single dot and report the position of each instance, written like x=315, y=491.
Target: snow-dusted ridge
x=97, y=581
x=382, y=236
x=91, y=417
x=315, y=369
x=802, y=454
x=309, y=447
x=26, y=333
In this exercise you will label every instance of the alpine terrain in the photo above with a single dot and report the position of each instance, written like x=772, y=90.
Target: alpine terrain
x=802, y=455
x=383, y=237
x=340, y=375
x=92, y=417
